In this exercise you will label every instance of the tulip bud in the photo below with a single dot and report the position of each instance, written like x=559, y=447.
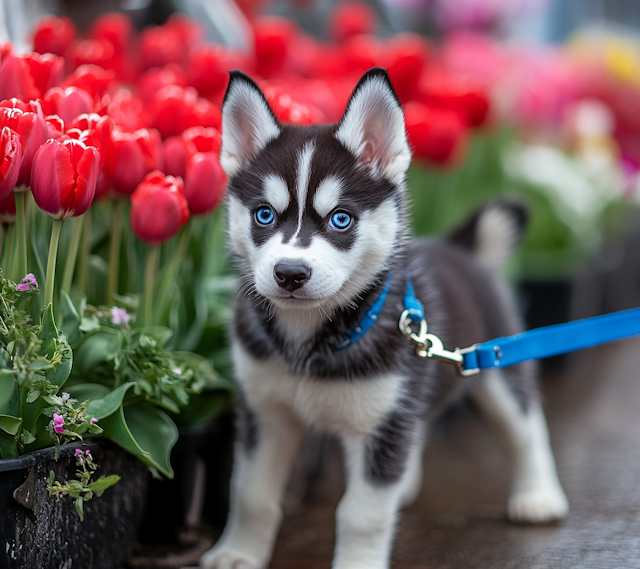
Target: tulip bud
x=205, y=183
x=53, y=35
x=10, y=160
x=47, y=70
x=64, y=176
x=158, y=208
x=32, y=130
x=132, y=157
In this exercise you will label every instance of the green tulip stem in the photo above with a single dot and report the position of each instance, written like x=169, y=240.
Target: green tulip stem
x=114, y=250
x=20, y=269
x=85, y=254
x=8, y=250
x=172, y=269
x=150, y=269
x=51, y=262
x=70, y=263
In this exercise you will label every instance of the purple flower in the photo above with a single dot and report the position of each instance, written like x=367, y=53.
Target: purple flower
x=79, y=452
x=119, y=315
x=58, y=422
x=27, y=281
x=89, y=457
x=94, y=421
x=80, y=461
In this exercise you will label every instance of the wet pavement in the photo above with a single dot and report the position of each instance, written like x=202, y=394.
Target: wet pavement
x=458, y=521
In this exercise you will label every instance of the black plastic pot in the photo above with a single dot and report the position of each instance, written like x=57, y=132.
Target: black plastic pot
x=38, y=532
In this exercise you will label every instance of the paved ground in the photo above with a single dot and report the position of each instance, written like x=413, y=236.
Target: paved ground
x=458, y=521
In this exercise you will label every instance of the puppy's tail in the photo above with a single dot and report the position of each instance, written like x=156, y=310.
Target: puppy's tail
x=493, y=232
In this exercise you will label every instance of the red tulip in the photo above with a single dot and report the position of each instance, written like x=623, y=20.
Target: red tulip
x=179, y=149
x=272, y=38
x=132, y=157
x=201, y=139
x=175, y=109
x=408, y=56
x=53, y=35
x=10, y=160
x=115, y=28
x=205, y=183
x=16, y=80
x=175, y=156
x=8, y=209
x=436, y=135
x=160, y=46
x=6, y=49
x=349, y=19
x=33, y=106
x=47, y=70
x=55, y=126
x=67, y=103
x=127, y=110
x=443, y=89
x=150, y=82
x=94, y=52
x=208, y=69
x=64, y=176
x=99, y=129
x=33, y=132
x=90, y=78
x=158, y=208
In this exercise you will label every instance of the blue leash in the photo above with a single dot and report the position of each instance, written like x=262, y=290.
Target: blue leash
x=531, y=345
x=551, y=341
x=501, y=352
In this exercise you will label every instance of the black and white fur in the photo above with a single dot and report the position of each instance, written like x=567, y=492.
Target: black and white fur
x=376, y=395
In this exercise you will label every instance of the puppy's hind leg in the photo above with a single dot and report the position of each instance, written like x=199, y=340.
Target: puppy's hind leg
x=263, y=456
x=536, y=493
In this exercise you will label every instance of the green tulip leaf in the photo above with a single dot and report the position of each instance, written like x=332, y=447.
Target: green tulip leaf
x=101, y=407
x=9, y=424
x=9, y=395
x=69, y=317
x=8, y=445
x=144, y=431
x=96, y=349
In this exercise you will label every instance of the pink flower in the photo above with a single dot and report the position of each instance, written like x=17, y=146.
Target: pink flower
x=94, y=421
x=58, y=422
x=27, y=281
x=79, y=452
x=119, y=315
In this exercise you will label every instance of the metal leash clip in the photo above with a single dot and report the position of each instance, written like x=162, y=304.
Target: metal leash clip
x=430, y=346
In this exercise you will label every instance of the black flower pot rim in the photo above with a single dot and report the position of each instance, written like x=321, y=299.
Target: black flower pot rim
x=31, y=458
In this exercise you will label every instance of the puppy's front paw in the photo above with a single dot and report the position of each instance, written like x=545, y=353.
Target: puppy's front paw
x=538, y=506
x=223, y=558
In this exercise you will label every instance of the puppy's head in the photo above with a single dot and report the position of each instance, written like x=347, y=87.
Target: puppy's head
x=315, y=213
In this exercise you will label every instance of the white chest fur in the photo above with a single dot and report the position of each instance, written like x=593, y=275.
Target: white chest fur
x=331, y=405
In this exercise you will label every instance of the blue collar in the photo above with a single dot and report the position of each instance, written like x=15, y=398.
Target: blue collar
x=411, y=304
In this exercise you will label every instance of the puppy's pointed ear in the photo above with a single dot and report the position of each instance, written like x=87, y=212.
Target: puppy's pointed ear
x=373, y=126
x=248, y=123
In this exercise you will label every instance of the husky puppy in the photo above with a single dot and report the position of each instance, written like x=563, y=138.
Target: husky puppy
x=317, y=220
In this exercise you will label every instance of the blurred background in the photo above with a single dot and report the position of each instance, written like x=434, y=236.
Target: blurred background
x=537, y=98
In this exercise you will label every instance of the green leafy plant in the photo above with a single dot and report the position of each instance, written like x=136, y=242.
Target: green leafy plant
x=83, y=489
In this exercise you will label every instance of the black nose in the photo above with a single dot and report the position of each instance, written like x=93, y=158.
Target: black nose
x=291, y=276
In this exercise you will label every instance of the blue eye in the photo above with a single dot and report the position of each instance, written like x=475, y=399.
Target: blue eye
x=265, y=216
x=340, y=220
